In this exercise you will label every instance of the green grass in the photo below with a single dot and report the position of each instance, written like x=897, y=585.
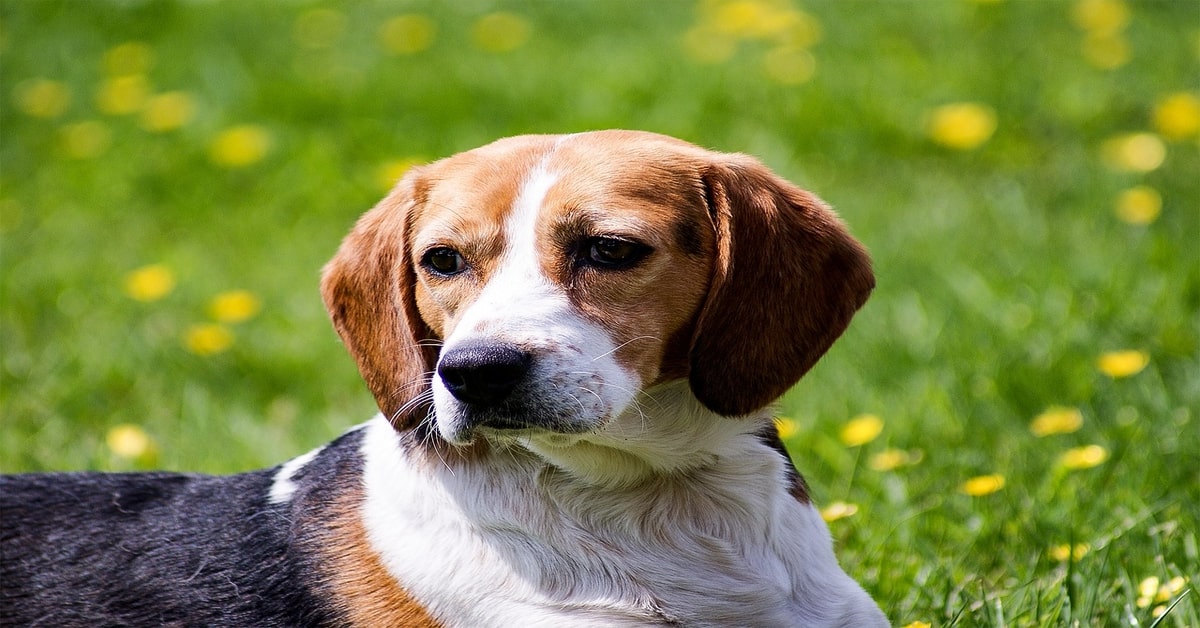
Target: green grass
x=1004, y=272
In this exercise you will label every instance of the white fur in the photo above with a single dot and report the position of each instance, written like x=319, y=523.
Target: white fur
x=282, y=488
x=510, y=540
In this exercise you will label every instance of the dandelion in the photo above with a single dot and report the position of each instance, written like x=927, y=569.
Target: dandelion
x=318, y=29
x=207, y=339
x=1147, y=591
x=234, y=306
x=240, y=146
x=407, y=34
x=500, y=32
x=1056, y=420
x=123, y=94
x=889, y=459
x=168, y=111
x=1134, y=152
x=962, y=126
x=85, y=140
x=128, y=441
x=786, y=427
x=391, y=172
x=838, y=510
x=1100, y=16
x=42, y=98
x=861, y=430
x=788, y=65
x=1063, y=553
x=1139, y=205
x=1177, y=116
x=981, y=485
x=918, y=623
x=128, y=59
x=1120, y=364
x=1084, y=457
x=149, y=283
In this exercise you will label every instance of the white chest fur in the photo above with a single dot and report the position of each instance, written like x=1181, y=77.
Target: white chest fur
x=511, y=541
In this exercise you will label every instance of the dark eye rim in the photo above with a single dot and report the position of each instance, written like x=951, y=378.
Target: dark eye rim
x=637, y=251
x=428, y=264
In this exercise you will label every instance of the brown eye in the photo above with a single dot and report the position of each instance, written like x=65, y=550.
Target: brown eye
x=613, y=253
x=444, y=261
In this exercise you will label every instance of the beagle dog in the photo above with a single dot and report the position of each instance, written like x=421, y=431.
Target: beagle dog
x=574, y=342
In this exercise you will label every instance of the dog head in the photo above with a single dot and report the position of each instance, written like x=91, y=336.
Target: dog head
x=540, y=284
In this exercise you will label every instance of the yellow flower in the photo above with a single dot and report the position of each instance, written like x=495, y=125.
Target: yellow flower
x=128, y=441
x=838, y=510
x=920, y=624
x=1177, y=116
x=149, y=283
x=981, y=485
x=786, y=427
x=392, y=171
x=861, y=430
x=1106, y=51
x=1064, y=552
x=234, y=306
x=240, y=146
x=407, y=34
x=1084, y=457
x=500, y=32
x=1056, y=420
x=789, y=65
x=1119, y=364
x=42, y=98
x=168, y=111
x=1134, y=152
x=123, y=94
x=962, y=126
x=319, y=29
x=1100, y=16
x=129, y=58
x=85, y=140
x=207, y=339
x=1171, y=588
x=1147, y=589
x=889, y=459
x=1139, y=205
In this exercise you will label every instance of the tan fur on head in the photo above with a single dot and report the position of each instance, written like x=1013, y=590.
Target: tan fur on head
x=785, y=275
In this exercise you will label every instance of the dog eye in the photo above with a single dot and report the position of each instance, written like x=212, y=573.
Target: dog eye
x=613, y=253
x=444, y=260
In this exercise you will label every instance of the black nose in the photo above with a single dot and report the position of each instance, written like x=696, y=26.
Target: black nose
x=483, y=374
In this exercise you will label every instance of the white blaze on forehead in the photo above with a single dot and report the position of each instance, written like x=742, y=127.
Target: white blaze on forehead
x=518, y=292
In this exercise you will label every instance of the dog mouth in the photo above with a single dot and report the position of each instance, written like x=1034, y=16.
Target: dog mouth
x=505, y=391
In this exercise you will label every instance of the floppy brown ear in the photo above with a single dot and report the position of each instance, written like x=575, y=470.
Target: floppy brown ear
x=368, y=291
x=787, y=279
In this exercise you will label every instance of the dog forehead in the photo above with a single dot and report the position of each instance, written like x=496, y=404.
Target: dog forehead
x=598, y=171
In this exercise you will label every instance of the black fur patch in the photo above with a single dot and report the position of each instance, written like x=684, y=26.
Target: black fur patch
x=164, y=549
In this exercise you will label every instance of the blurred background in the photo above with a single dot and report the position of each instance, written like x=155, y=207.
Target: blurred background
x=1007, y=434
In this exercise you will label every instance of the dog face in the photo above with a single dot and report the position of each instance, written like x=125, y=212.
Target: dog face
x=538, y=285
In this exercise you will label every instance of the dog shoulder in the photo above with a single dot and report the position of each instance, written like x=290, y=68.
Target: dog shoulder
x=159, y=548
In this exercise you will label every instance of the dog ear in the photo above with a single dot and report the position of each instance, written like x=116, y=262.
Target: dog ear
x=368, y=290
x=787, y=279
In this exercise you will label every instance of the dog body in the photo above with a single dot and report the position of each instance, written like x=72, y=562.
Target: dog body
x=574, y=342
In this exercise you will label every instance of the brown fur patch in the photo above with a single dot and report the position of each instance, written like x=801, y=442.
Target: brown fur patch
x=362, y=588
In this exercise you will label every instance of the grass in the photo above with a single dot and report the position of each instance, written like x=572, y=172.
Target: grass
x=1005, y=271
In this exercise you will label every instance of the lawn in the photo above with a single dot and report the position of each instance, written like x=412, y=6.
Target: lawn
x=1006, y=436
